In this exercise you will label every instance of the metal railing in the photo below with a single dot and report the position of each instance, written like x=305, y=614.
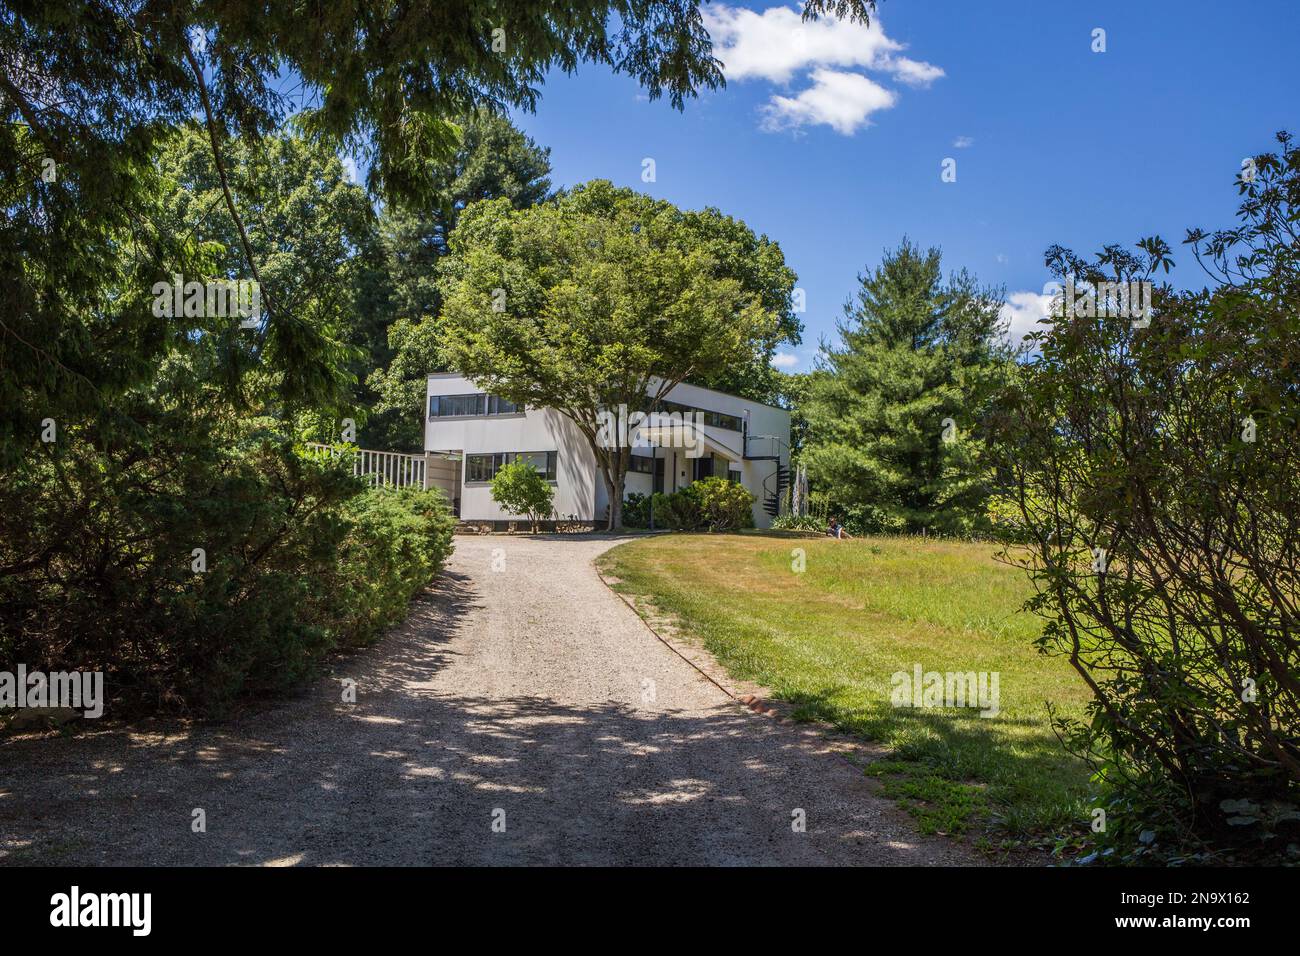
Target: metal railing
x=766, y=446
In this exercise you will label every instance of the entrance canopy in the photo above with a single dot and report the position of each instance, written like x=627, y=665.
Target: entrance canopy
x=692, y=439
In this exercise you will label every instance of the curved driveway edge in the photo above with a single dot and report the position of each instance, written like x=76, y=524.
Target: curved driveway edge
x=523, y=714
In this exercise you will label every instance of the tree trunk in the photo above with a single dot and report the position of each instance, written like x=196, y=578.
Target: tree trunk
x=613, y=470
x=616, y=503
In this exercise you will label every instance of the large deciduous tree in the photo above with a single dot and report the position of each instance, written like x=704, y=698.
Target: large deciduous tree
x=599, y=299
x=305, y=223
x=90, y=86
x=895, y=414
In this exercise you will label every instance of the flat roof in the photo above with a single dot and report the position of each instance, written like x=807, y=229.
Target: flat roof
x=704, y=388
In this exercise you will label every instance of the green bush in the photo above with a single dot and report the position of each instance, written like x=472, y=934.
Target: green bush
x=1156, y=471
x=396, y=542
x=521, y=489
x=710, y=504
x=636, y=510
x=721, y=505
x=789, y=522
x=297, y=558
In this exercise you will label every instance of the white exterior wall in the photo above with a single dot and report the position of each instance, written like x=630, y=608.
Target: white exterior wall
x=579, y=488
x=533, y=430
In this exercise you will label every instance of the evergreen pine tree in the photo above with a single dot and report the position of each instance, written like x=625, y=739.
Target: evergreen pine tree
x=895, y=413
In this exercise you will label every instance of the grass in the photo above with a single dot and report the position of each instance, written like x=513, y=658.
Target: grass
x=829, y=639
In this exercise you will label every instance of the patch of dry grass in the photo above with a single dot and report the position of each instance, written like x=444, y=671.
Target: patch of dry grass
x=828, y=639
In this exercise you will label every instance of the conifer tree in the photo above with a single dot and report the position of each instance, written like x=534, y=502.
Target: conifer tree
x=895, y=412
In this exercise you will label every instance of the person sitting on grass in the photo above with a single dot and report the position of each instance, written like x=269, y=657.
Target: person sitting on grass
x=836, y=530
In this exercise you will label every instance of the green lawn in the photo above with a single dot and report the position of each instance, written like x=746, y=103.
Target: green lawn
x=829, y=639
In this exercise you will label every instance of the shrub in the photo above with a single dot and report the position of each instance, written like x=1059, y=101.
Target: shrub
x=710, y=504
x=721, y=505
x=297, y=559
x=636, y=510
x=521, y=489
x=675, y=512
x=1157, y=472
x=396, y=542
x=790, y=522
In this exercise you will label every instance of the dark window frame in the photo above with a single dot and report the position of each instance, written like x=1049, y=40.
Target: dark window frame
x=635, y=464
x=734, y=423
x=490, y=462
x=485, y=405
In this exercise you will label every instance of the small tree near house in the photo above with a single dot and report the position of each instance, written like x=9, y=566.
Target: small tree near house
x=521, y=489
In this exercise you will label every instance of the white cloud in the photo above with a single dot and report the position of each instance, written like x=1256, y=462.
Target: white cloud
x=962, y=142
x=777, y=46
x=913, y=72
x=1022, y=312
x=842, y=101
x=350, y=169
x=785, y=360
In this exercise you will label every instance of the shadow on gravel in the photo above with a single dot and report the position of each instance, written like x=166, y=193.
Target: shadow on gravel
x=411, y=776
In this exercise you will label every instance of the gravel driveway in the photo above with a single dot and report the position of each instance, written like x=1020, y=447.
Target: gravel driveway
x=522, y=715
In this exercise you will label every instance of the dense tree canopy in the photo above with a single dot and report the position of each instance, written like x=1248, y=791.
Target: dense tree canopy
x=92, y=87
x=305, y=222
x=494, y=160
x=601, y=298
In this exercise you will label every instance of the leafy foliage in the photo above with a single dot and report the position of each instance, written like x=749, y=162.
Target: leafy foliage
x=101, y=573
x=493, y=160
x=723, y=505
x=709, y=504
x=396, y=541
x=606, y=298
x=521, y=489
x=636, y=510
x=1156, y=474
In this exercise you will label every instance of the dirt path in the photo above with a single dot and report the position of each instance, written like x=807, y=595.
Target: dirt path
x=520, y=689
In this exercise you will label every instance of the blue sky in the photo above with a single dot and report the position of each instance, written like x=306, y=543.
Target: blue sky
x=831, y=142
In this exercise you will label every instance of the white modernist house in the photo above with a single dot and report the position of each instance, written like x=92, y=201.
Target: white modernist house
x=469, y=434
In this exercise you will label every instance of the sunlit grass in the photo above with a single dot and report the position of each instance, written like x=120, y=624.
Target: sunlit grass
x=828, y=640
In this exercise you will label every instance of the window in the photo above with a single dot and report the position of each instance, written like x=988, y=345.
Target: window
x=641, y=464
x=454, y=406
x=542, y=461
x=712, y=419
x=480, y=467
x=484, y=467
x=703, y=468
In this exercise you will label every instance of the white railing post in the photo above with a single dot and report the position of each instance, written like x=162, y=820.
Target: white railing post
x=385, y=469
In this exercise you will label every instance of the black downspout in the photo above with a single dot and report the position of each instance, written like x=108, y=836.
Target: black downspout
x=652, y=486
